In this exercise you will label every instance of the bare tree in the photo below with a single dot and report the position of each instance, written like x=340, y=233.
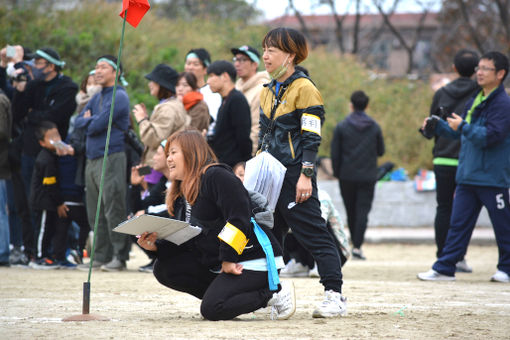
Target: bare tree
x=302, y=23
x=408, y=46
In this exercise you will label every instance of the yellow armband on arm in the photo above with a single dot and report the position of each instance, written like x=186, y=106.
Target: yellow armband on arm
x=233, y=237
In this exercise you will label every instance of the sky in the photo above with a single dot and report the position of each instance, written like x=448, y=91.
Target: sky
x=276, y=8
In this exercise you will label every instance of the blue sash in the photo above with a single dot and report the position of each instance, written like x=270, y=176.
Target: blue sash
x=272, y=272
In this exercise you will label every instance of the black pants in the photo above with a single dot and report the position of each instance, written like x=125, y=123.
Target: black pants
x=309, y=228
x=292, y=249
x=445, y=191
x=357, y=197
x=24, y=214
x=78, y=214
x=224, y=296
x=46, y=221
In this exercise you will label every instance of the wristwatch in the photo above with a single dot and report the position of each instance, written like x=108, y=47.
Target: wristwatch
x=307, y=171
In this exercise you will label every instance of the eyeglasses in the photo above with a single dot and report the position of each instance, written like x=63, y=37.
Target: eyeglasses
x=484, y=69
x=241, y=60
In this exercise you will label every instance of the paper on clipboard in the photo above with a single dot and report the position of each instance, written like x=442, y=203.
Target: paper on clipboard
x=264, y=174
x=169, y=229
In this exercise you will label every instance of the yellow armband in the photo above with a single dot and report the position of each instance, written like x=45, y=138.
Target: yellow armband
x=233, y=237
x=49, y=180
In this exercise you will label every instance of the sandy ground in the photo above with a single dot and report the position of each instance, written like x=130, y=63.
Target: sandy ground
x=385, y=301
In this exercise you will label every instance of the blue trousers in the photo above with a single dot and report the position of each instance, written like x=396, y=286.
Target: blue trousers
x=467, y=204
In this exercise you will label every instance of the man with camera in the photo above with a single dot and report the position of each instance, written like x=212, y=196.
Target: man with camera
x=450, y=98
x=483, y=176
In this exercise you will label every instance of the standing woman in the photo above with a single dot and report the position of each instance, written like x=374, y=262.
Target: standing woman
x=225, y=265
x=168, y=116
x=193, y=101
x=292, y=112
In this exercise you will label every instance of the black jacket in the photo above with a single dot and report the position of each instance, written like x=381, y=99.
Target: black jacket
x=357, y=142
x=44, y=188
x=41, y=100
x=222, y=199
x=452, y=98
x=231, y=140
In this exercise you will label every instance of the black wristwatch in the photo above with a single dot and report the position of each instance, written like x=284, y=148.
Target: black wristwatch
x=307, y=171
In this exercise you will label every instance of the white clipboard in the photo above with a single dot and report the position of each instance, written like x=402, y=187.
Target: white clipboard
x=169, y=229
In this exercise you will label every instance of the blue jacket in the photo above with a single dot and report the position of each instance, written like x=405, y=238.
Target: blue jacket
x=484, y=158
x=97, y=124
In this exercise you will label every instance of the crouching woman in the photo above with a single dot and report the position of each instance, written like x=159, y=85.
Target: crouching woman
x=232, y=264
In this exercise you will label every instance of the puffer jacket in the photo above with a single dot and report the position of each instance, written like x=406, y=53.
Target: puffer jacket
x=290, y=123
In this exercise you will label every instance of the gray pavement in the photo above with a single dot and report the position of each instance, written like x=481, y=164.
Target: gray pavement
x=481, y=235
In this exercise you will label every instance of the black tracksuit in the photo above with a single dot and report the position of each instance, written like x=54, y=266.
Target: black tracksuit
x=357, y=142
x=193, y=266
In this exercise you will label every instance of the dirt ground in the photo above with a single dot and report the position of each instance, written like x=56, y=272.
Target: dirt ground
x=385, y=301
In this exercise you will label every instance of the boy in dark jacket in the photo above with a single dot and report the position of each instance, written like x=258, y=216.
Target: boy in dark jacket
x=356, y=144
x=45, y=196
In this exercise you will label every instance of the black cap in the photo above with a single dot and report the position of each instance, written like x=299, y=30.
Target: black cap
x=165, y=76
x=248, y=51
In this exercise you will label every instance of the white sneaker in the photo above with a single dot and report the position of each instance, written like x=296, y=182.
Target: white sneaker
x=283, y=303
x=463, y=267
x=432, y=275
x=500, y=277
x=294, y=269
x=334, y=304
x=314, y=272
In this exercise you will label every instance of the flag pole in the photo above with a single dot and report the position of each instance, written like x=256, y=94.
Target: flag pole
x=86, y=316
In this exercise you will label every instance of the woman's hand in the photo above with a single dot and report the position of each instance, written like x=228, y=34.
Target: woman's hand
x=303, y=188
x=231, y=268
x=148, y=241
x=140, y=112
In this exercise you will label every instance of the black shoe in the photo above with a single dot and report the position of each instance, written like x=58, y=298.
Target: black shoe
x=357, y=254
x=5, y=264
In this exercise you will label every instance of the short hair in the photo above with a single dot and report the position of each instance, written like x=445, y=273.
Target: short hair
x=42, y=128
x=190, y=78
x=465, y=62
x=221, y=66
x=202, y=54
x=288, y=40
x=359, y=100
x=112, y=58
x=500, y=61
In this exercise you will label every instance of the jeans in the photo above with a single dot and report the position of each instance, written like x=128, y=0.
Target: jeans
x=4, y=223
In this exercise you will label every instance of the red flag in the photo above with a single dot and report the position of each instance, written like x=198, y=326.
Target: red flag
x=136, y=10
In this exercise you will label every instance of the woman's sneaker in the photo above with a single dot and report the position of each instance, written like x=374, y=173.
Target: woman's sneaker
x=334, y=304
x=283, y=303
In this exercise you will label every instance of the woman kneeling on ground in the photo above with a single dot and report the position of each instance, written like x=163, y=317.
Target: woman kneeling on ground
x=225, y=265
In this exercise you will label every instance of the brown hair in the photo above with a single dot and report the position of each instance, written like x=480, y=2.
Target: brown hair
x=164, y=93
x=190, y=78
x=198, y=156
x=288, y=40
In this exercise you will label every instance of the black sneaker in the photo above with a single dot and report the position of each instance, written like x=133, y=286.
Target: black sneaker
x=45, y=264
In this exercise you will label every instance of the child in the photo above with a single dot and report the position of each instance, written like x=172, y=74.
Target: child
x=45, y=194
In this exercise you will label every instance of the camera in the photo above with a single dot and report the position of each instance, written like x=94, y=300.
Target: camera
x=430, y=126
